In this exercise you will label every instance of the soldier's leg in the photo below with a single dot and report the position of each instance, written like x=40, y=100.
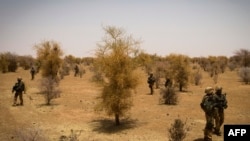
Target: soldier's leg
x=15, y=99
x=21, y=98
x=208, y=128
x=217, y=122
x=32, y=76
x=221, y=115
x=151, y=89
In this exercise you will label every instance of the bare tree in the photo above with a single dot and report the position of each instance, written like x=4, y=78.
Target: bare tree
x=49, y=88
x=244, y=56
x=244, y=74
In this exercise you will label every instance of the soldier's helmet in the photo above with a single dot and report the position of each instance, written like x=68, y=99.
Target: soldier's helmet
x=218, y=88
x=19, y=78
x=209, y=90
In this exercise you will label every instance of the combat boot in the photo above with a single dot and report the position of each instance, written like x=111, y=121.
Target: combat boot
x=217, y=132
x=207, y=139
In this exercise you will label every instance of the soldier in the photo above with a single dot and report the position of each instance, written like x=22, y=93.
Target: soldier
x=221, y=104
x=76, y=70
x=207, y=105
x=32, y=72
x=18, y=88
x=168, y=82
x=151, y=81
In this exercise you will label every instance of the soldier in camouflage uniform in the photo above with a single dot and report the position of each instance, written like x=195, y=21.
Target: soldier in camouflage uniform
x=221, y=104
x=18, y=88
x=207, y=105
x=32, y=72
x=151, y=81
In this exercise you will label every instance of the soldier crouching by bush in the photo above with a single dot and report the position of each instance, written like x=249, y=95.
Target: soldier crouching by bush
x=19, y=89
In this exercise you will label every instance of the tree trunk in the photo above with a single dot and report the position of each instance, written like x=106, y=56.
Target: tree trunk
x=117, y=119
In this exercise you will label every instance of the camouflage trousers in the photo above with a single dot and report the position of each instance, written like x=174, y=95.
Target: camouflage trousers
x=208, y=131
x=151, y=88
x=20, y=95
x=219, y=119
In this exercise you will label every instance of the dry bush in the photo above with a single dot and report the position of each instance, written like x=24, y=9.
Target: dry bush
x=74, y=136
x=178, y=130
x=168, y=96
x=244, y=57
x=49, y=55
x=232, y=66
x=3, y=63
x=197, y=76
x=244, y=74
x=180, y=69
x=64, y=70
x=8, y=62
x=26, y=61
x=49, y=88
x=114, y=61
x=30, y=134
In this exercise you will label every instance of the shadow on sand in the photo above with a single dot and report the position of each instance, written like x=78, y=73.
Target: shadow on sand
x=199, y=139
x=108, y=125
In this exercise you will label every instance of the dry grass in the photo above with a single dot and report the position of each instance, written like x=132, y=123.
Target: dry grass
x=148, y=120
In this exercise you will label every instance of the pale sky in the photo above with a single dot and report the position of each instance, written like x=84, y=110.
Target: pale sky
x=190, y=27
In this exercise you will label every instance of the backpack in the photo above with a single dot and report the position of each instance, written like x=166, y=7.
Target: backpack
x=207, y=103
x=19, y=87
x=151, y=80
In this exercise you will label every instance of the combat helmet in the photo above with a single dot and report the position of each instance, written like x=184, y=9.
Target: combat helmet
x=19, y=78
x=209, y=90
x=217, y=88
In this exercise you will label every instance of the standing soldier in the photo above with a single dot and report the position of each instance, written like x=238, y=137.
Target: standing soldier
x=151, y=81
x=207, y=105
x=32, y=72
x=76, y=70
x=168, y=82
x=18, y=88
x=221, y=104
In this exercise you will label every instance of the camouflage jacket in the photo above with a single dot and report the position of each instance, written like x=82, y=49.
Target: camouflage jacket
x=220, y=101
x=18, y=87
x=208, y=103
x=151, y=80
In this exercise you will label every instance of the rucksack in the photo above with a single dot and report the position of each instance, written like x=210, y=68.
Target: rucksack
x=19, y=87
x=207, y=103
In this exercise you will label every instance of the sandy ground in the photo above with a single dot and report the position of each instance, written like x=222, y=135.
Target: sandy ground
x=146, y=121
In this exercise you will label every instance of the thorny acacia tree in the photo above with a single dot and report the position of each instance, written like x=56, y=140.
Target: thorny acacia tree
x=115, y=61
x=179, y=69
x=49, y=54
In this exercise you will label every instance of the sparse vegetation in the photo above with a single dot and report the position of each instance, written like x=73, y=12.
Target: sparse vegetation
x=49, y=53
x=169, y=96
x=8, y=62
x=179, y=69
x=30, y=134
x=197, y=76
x=244, y=74
x=114, y=60
x=177, y=131
x=49, y=88
x=74, y=136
